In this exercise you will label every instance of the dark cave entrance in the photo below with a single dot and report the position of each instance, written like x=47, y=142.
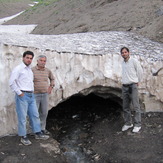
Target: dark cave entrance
x=81, y=109
x=73, y=122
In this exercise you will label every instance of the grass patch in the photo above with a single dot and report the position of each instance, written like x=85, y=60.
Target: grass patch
x=43, y=3
x=12, y=1
x=46, y=2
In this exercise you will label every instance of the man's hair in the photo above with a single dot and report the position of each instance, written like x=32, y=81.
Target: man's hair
x=41, y=56
x=124, y=48
x=28, y=53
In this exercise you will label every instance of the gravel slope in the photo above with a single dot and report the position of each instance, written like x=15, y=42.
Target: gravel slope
x=142, y=17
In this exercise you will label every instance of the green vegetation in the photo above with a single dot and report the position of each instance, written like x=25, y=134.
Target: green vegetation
x=14, y=1
x=46, y=2
x=40, y=1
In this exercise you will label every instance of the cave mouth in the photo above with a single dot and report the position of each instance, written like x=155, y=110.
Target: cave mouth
x=82, y=109
x=73, y=123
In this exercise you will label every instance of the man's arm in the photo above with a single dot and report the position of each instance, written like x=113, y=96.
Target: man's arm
x=139, y=70
x=51, y=78
x=13, y=82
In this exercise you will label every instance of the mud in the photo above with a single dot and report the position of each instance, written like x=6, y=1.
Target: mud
x=88, y=129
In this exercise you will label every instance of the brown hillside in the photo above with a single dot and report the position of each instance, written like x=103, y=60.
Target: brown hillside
x=73, y=16
x=9, y=8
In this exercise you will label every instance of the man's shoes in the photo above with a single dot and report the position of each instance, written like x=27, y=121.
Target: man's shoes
x=45, y=132
x=40, y=135
x=25, y=141
x=136, y=129
x=31, y=134
x=126, y=127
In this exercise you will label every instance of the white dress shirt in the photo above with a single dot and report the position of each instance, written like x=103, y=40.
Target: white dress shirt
x=131, y=71
x=21, y=79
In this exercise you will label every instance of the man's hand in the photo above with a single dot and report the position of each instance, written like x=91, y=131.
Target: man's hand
x=50, y=89
x=22, y=94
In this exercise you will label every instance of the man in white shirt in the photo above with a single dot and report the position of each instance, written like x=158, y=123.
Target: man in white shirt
x=131, y=76
x=21, y=82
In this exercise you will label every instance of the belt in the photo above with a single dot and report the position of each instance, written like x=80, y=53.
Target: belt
x=27, y=91
x=128, y=85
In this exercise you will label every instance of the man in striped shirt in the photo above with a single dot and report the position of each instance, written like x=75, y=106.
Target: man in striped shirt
x=43, y=85
x=132, y=74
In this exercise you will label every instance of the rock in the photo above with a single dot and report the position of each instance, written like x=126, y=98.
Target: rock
x=159, y=12
x=51, y=147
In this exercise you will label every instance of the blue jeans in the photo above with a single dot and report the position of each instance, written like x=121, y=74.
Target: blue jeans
x=26, y=105
x=42, y=105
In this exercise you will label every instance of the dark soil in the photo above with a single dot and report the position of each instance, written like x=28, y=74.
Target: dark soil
x=97, y=123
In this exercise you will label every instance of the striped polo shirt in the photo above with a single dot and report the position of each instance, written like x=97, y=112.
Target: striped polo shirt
x=43, y=78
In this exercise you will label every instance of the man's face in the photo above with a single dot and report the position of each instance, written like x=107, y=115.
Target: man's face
x=41, y=62
x=27, y=59
x=125, y=54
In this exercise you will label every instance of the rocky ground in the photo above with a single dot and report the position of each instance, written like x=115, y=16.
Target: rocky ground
x=88, y=129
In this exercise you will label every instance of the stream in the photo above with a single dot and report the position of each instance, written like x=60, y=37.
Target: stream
x=71, y=125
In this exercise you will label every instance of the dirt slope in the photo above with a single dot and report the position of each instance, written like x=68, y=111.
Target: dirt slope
x=9, y=8
x=72, y=16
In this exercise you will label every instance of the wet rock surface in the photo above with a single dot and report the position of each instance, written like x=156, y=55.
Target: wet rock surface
x=88, y=129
